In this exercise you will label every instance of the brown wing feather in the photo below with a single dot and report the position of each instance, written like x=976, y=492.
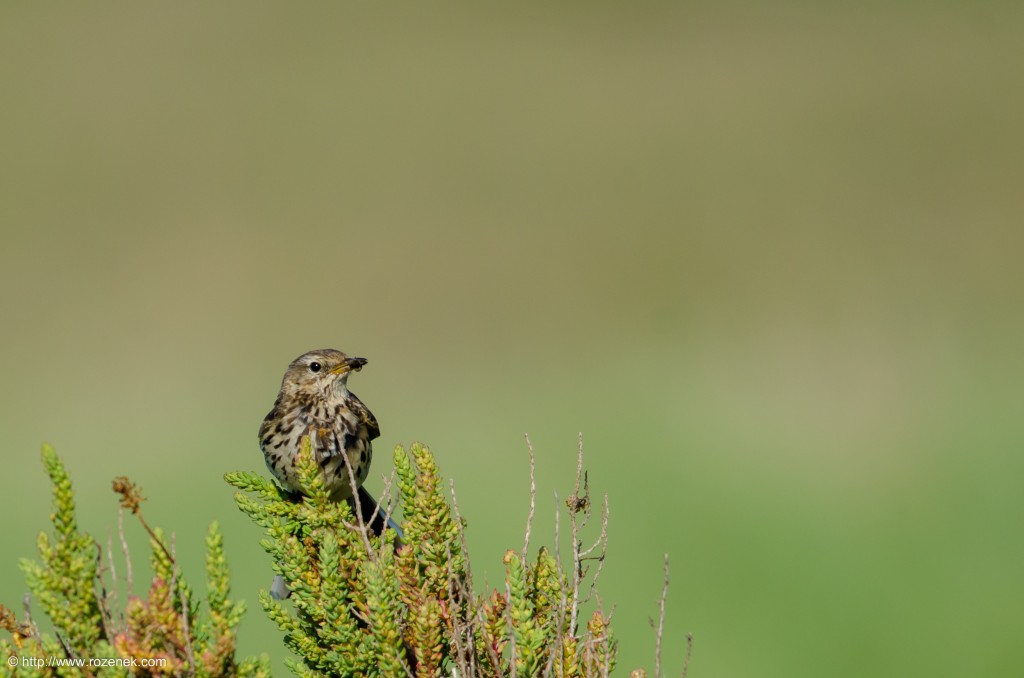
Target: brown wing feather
x=366, y=417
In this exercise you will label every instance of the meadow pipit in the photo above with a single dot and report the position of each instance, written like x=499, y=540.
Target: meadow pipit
x=315, y=401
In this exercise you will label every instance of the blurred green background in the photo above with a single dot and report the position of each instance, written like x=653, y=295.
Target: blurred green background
x=767, y=257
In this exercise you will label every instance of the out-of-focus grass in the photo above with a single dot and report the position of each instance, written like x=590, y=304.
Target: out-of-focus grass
x=766, y=258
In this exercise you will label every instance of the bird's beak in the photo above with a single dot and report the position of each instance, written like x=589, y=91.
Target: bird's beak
x=352, y=364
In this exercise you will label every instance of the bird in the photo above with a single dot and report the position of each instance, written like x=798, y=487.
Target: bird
x=314, y=402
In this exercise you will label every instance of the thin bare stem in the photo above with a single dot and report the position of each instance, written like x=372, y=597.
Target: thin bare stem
x=113, y=601
x=385, y=494
x=689, y=651
x=102, y=596
x=462, y=632
x=464, y=590
x=578, y=503
x=68, y=650
x=661, y=623
x=558, y=550
x=602, y=543
x=556, y=656
x=158, y=540
x=458, y=522
x=26, y=602
x=186, y=629
x=124, y=550
x=131, y=498
x=533, y=498
x=363, y=530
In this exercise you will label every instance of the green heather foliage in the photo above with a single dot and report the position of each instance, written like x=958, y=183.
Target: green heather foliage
x=361, y=604
x=374, y=606
x=69, y=583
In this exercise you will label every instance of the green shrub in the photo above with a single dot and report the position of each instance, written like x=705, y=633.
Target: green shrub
x=362, y=604
x=163, y=633
x=374, y=605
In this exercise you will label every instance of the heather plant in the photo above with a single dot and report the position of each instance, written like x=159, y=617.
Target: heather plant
x=167, y=631
x=404, y=605
x=362, y=604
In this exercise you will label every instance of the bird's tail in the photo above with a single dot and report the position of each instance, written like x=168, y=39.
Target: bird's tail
x=374, y=516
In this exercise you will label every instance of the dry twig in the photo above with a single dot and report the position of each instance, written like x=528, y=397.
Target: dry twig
x=363, y=529
x=533, y=499
x=131, y=498
x=689, y=651
x=578, y=503
x=124, y=550
x=661, y=623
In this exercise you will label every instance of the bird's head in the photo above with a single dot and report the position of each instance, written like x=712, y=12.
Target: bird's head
x=320, y=372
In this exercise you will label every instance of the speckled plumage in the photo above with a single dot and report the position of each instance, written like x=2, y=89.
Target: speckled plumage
x=314, y=400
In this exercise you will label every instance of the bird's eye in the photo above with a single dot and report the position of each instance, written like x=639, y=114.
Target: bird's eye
x=314, y=367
